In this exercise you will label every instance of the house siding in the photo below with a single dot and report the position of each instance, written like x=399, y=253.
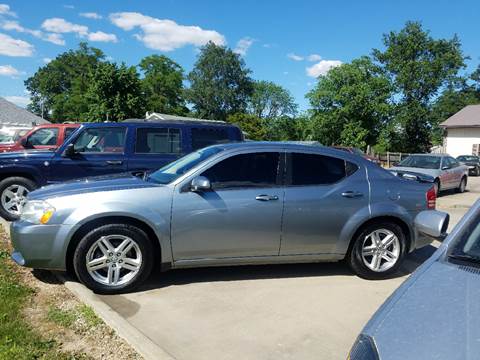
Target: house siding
x=460, y=141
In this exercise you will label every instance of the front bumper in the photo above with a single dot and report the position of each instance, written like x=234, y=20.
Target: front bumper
x=39, y=246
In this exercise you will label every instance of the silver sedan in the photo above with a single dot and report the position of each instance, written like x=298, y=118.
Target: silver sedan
x=231, y=204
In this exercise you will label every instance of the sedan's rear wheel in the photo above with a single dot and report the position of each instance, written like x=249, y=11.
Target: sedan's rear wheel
x=463, y=184
x=377, y=251
x=113, y=258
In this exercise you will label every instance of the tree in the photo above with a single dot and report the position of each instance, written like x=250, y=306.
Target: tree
x=219, y=83
x=58, y=88
x=163, y=85
x=270, y=101
x=352, y=96
x=419, y=66
x=252, y=125
x=115, y=92
x=285, y=128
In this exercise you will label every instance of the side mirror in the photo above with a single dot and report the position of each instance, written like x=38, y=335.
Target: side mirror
x=24, y=142
x=432, y=223
x=69, y=150
x=200, y=184
x=445, y=167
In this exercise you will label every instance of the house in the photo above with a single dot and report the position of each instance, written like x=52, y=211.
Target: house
x=158, y=116
x=462, y=132
x=13, y=115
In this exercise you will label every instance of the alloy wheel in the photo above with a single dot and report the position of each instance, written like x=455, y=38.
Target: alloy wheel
x=114, y=260
x=380, y=250
x=14, y=198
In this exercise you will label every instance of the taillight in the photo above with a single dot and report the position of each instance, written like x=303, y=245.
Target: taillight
x=431, y=198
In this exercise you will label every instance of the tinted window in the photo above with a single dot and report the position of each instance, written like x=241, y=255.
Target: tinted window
x=422, y=162
x=312, y=169
x=158, y=141
x=107, y=140
x=453, y=162
x=202, y=137
x=69, y=131
x=245, y=170
x=46, y=136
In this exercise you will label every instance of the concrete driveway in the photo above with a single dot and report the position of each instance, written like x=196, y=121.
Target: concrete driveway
x=307, y=311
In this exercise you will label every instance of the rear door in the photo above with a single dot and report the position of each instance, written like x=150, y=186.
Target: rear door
x=322, y=194
x=98, y=151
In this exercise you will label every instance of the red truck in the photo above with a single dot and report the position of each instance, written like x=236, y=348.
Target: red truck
x=42, y=137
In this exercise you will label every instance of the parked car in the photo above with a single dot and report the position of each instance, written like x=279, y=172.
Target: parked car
x=447, y=172
x=357, y=151
x=473, y=163
x=231, y=204
x=101, y=149
x=434, y=314
x=9, y=135
x=41, y=137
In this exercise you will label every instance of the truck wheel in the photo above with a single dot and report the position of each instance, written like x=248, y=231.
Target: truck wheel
x=378, y=250
x=13, y=195
x=113, y=258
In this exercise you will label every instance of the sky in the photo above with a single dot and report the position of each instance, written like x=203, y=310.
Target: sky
x=287, y=42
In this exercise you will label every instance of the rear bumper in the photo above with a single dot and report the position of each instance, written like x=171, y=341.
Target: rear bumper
x=39, y=246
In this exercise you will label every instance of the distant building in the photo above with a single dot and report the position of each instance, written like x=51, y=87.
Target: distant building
x=13, y=115
x=462, y=132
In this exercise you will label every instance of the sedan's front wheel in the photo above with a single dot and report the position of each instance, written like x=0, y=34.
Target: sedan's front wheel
x=377, y=251
x=113, y=258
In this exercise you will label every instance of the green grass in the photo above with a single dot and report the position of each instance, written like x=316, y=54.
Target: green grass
x=64, y=318
x=18, y=340
x=67, y=318
x=89, y=315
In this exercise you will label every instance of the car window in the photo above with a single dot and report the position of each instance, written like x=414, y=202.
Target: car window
x=245, y=170
x=453, y=162
x=103, y=140
x=69, y=131
x=314, y=169
x=158, y=141
x=421, y=162
x=45, y=136
x=202, y=137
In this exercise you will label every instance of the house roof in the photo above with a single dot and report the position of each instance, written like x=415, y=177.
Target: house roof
x=11, y=114
x=469, y=116
x=159, y=116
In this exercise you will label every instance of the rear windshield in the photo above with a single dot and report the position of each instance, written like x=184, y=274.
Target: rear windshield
x=422, y=162
x=467, y=158
x=203, y=137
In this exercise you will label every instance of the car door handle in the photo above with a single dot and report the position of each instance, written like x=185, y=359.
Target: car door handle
x=114, y=162
x=352, y=194
x=266, y=197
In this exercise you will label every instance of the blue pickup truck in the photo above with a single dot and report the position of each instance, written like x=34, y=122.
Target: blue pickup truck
x=105, y=148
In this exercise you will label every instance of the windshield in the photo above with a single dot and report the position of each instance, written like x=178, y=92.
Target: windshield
x=174, y=170
x=11, y=135
x=468, y=245
x=468, y=158
x=422, y=162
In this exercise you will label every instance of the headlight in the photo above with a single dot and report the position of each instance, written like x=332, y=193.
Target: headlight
x=363, y=349
x=37, y=212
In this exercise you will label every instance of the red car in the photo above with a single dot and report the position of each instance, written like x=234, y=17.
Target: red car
x=356, y=151
x=46, y=137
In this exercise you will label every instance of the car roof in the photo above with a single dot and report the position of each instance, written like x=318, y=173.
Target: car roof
x=185, y=121
x=433, y=154
x=58, y=125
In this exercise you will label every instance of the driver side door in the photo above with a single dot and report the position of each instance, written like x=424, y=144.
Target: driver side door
x=240, y=217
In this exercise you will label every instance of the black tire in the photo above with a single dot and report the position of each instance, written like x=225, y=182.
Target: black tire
x=354, y=256
x=436, y=184
x=477, y=171
x=134, y=233
x=463, y=185
x=4, y=184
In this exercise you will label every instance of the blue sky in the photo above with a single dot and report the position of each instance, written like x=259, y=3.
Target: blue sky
x=288, y=42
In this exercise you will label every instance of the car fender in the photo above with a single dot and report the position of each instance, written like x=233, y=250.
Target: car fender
x=28, y=171
x=160, y=224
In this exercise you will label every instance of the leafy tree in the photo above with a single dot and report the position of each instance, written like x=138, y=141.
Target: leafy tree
x=59, y=87
x=252, y=125
x=115, y=92
x=270, y=100
x=285, y=128
x=351, y=95
x=163, y=85
x=219, y=83
x=419, y=66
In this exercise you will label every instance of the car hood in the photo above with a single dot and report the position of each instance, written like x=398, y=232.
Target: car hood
x=429, y=172
x=435, y=318
x=122, y=181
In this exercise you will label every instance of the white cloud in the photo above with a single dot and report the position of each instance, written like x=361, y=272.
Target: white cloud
x=46, y=60
x=14, y=47
x=59, y=25
x=5, y=10
x=9, y=70
x=243, y=45
x=91, y=15
x=295, y=57
x=15, y=26
x=164, y=34
x=322, y=67
x=102, y=37
x=314, y=57
x=21, y=101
